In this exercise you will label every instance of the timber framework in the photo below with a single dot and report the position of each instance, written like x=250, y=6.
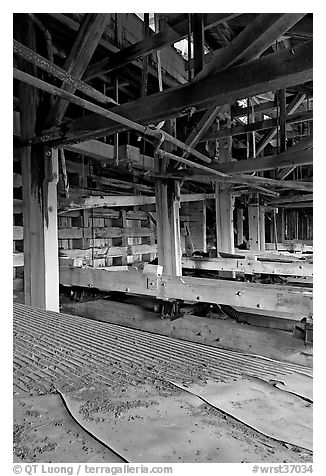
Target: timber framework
x=167, y=159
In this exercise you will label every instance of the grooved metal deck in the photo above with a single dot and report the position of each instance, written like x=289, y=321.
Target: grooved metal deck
x=54, y=350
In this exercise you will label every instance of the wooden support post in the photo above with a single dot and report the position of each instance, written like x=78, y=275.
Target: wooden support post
x=198, y=41
x=41, y=265
x=282, y=118
x=280, y=223
x=262, y=228
x=254, y=222
x=224, y=205
x=197, y=225
x=168, y=226
x=145, y=58
x=39, y=183
x=239, y=226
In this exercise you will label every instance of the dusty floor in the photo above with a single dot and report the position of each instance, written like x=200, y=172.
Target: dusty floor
x=73, y=375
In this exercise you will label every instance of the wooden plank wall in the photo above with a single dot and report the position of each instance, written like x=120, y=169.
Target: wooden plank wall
x=107, y=237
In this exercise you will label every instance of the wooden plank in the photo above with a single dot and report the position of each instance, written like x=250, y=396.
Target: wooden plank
x=17, y=206
x=18, y=260
x=18, y=233
x=249, y=266
x=74, y=233
x=109, y=251
x=234, y=293
x=292, y=246
x=282, y=69
x=122, y=201
x=88, y=37
x=95, y=149
x=17, y=180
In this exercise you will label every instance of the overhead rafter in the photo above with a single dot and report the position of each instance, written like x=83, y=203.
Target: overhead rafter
x=247, y=46
x=88, y=37
x=59, y=73
x=257, y=126
x=284, y=160
x=152, y=132
x=293, y=106
x=156, y=42
x=252, y=41
x=274, y=71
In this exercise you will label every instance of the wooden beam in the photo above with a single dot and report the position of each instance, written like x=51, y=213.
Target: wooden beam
x=294, y=104
x=256, y=37
x=249, y=266
x=144, y=76
x=198, y=42
x=121, y=201
x=282, y=69
x=224, y=203
x=59, y=73
x=107, y=44
x=257, y=126
x=281, y=99
x=292, y=199
x=238, y=51
x=167, y=37
x=288, y=158
x=234, y=293
x=239, y=226
x=74, y=233
x=262, y=232
x=39, y=182
x=88, y=37
x=152, y=132
x=254, y=222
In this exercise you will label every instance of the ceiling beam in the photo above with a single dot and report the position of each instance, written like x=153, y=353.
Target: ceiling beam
x=304, y=157
x=247, y=46
x=168, y=37
x=270, y=72
x=59, y=73
x=252, y=41
x=294, y=104
x=89, y=34
x=256, y=126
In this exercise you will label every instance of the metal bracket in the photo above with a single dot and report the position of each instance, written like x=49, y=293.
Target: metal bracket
x=152, y=283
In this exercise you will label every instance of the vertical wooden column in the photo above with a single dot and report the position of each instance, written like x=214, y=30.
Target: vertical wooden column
x=262, y=236
x=254, y=222
x=280, y=224
x=224, y=204
x=197, y=225
x=167, y=194
x=198, y=41
x=41, y=264
x=239, y=226
x=39, y=183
